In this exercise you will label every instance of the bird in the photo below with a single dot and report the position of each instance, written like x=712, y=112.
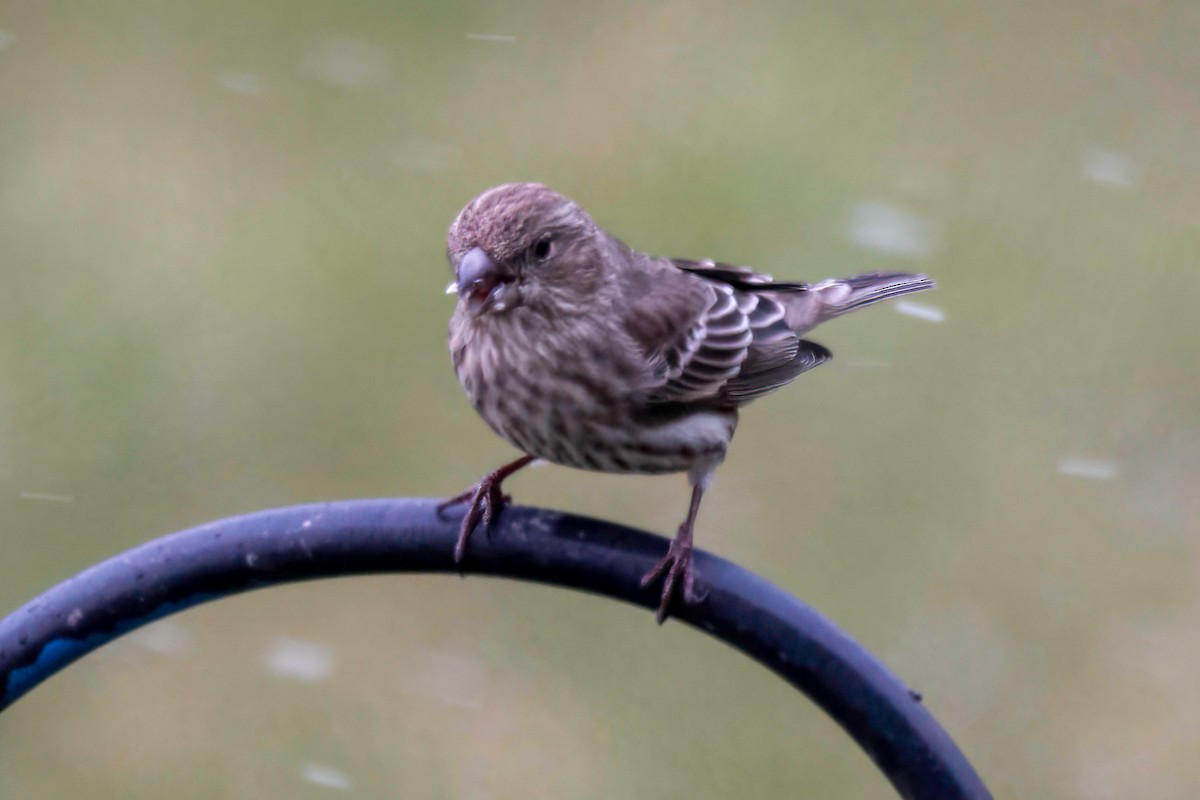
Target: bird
x=582, y=351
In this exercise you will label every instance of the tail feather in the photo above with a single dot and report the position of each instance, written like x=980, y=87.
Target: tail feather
x=840, y=295
x=836, y=296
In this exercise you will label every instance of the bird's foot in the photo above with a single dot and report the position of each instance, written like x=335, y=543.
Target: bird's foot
x=484, y=500
x=675, y=568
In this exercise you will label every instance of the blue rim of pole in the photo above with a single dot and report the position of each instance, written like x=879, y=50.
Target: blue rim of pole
x=357, y=537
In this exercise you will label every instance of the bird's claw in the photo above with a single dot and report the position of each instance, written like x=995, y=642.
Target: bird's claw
x=673, y=568
x=484, y=501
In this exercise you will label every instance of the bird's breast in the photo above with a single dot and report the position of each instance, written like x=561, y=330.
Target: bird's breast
x=575, y=401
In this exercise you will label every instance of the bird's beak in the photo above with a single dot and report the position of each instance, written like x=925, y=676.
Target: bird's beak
x=482, y=283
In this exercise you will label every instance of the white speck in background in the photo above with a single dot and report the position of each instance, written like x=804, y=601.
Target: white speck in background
x=245, y=83
x=1109, y=168
x=46, y=497
x=498, y=38
x=348, y=63
x=325, y=776
x=1092, y=468
x=888, y=229
x=920, y=311
x=166, y=638
x=298, y=659
x=6, y=40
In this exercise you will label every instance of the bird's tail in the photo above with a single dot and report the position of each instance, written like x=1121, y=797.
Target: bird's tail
x=836, y=296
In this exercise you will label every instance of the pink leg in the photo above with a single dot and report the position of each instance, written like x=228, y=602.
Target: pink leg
x=484, y=499
x=677, y=563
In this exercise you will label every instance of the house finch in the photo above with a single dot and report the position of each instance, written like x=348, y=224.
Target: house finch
x=582, y=351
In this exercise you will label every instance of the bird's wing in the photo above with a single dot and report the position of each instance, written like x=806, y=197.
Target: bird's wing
x=717, y=340
x=742, y=278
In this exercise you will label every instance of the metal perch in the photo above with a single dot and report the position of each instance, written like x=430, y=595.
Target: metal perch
x=325, y=540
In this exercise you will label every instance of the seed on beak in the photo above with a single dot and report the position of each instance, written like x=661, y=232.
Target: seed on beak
x=482, y=281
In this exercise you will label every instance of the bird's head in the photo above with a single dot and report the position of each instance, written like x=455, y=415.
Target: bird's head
x=523, y=244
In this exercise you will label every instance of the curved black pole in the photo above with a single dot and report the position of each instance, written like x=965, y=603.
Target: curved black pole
x=372, y=536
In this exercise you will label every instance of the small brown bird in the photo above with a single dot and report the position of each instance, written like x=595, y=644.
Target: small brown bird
x=582, y=351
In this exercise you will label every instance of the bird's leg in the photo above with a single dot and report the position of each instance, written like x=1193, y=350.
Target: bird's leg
x=677, y=563
x=484, y=499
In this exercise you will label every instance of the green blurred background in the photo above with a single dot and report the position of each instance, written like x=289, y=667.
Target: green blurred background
x=221, y=271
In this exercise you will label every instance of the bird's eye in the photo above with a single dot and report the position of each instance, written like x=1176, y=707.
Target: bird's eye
x=543, y=248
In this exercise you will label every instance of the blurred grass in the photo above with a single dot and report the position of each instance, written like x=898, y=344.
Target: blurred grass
x=222, y=230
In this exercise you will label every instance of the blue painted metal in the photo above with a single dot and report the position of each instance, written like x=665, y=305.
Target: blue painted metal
x=326, y=540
